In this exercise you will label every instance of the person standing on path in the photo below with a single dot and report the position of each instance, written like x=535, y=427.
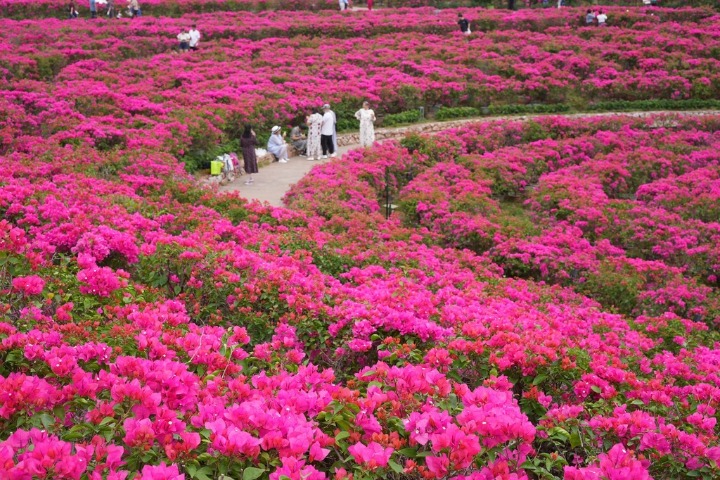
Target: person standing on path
x=314, y=122
x=367, y=127
x=248, y=143
x=72, y=10
x=111, y=12
x=464, y=24
x=327, y=138
x=601, y=19
x=277, y=146
x=93, y=9
x=194, y=38
x=369, y=5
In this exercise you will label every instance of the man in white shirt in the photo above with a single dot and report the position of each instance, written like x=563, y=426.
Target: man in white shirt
x=327, y=132
x=194, y=38
x=601, y=19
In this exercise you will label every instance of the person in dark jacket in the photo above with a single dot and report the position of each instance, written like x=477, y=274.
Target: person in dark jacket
x=464, y=24
x=248, y=142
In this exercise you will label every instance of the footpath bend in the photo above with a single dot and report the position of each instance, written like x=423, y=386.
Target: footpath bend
x=275, y=180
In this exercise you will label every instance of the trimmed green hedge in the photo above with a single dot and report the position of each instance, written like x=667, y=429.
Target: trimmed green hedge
x=523, y=109
x=447, y=113
x=659, y=104
x=409, y=116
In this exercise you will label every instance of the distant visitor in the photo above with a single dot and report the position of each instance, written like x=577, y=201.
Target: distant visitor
x=194, y=37
x=367, y=127
x=327, y=138
x=277, y=146
x=248, y=143
x=464, y=24
x=314, y=122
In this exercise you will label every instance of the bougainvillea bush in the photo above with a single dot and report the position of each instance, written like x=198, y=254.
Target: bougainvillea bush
x=270, y=68
x=619, y=210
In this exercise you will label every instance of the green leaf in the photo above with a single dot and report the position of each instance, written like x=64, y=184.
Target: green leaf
x=203, y=474
x=59, y=411
x=396, y=468
x=575, y=440
x=341, y=436
x=539, y=379
x=596, y=389
x=408, y=452
x=251, y=473
x=107, y=420
x=47, y=420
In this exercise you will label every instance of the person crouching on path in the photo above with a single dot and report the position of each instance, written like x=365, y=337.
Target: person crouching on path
x=194, y=38
x=327, y=132
x=277, y=146
x=299, y=142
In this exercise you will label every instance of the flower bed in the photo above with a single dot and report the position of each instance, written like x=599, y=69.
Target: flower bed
x=542, y=305
x=621, y=210
x=270, y=68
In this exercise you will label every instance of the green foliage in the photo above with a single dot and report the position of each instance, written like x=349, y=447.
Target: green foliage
x=447, y=113
x=49, y=67
x=535, y=108
x=409, y=116
x=657, y=104
x=200, y=156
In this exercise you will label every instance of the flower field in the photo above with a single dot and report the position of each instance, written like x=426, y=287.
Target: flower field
x=269, y=68
x=542, y=303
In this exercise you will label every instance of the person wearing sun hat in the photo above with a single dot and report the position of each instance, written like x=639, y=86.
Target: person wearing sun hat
x=277, y=146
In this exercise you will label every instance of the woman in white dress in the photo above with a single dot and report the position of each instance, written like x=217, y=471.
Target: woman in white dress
x=367, y=129
x=314, y=123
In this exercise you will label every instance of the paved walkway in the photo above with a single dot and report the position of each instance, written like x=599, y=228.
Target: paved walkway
x=275, y=180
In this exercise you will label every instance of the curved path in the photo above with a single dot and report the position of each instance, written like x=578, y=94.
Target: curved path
x=275, y=180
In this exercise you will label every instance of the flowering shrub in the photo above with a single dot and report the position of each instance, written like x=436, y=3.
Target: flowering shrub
x=123, y=84
x=611, y=208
